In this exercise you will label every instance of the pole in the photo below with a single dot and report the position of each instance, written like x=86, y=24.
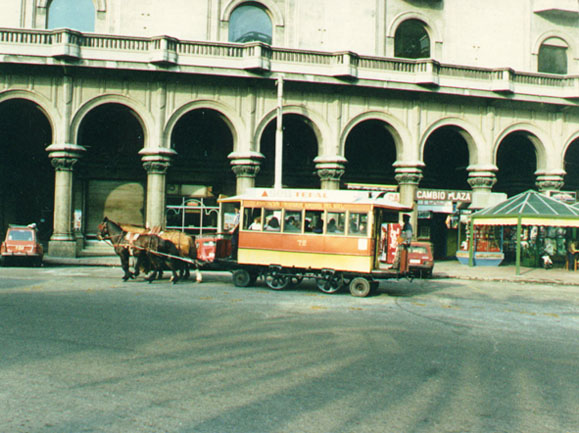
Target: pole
x=518, y=255
x=279, y=135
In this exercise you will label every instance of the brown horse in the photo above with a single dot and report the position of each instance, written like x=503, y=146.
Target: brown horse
x=122, y=237
x=185, y=244
x=112, y=232
x=155, y=252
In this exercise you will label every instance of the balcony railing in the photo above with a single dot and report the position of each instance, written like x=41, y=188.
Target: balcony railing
x=166, y=53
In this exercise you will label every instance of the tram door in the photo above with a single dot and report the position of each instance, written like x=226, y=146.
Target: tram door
x=386, y=233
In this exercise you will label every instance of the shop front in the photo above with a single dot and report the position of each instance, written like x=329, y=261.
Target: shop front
x=438, y=219
x=529, y=229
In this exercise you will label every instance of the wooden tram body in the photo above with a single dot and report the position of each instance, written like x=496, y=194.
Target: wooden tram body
x=335, y=237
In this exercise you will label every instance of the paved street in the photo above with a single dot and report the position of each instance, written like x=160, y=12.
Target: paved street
x=81, y=351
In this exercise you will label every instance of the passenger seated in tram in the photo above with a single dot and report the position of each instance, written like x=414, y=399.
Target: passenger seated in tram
x=332, y=228
x=273, y=224
x=291, y=224
x=256, y=224
x=319, y=228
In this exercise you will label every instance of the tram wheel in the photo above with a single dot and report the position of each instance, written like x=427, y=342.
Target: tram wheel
x=276, y=281
x=329, y=285
x=241, y=278
x=360, y=287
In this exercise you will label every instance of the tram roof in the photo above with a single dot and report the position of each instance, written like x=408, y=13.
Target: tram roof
x=346, y=197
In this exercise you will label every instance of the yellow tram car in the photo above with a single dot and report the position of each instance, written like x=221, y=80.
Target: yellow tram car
x=336, y=237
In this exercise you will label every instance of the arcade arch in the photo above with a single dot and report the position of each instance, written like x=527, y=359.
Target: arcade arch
x=26, y=174
x=571, y=166
x=371, y=151
x=517, y=159
x=111, y=179
x=300, y=148
x=202, y=138
x=446, y=155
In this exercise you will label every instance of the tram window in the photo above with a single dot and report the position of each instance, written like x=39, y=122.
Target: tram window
x=272, y=218
x=336, y=222
x=293, y=221
x=314, y=222
x=358, y=224
x=252, y=218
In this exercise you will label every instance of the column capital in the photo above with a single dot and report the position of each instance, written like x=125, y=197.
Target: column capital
x=408, y=173
x=550, y=182
x=481, y=180
x=246, y=164
x=63, y=156
x=156, y=160
x=330, y=168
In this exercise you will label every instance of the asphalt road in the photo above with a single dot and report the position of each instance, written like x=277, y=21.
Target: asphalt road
x=81, y=351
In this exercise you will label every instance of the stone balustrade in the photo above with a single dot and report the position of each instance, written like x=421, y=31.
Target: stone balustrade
x=163, y=52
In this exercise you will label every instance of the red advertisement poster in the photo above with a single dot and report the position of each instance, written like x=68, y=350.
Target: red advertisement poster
x=394, y=231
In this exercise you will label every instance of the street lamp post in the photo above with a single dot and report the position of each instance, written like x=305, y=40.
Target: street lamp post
x=279, y=135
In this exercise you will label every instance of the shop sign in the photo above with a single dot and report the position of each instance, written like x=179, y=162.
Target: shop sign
x=444, y=195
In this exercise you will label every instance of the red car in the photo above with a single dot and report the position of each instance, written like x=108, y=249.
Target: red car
x=420, y=259
x=22, y=242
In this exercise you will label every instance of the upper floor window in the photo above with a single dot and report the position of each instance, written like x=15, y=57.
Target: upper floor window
x=411, y=40
x=73, y=14
x=248, y=23
x=553, y=56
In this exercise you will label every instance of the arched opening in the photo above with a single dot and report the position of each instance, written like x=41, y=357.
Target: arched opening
x=517, y=163
x=411, y=40
x=572, y=167
x=73, y=14
x=553, y=56
x=111, y=176
x=250, y=22
x=446, y=158
x=371, y=153
x=26, y=175
x=201, y=170
x=300, y=148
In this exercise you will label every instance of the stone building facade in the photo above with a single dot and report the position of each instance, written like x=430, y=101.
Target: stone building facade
x=124, y=105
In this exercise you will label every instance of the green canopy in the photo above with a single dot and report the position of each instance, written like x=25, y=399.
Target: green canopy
x=529, y=208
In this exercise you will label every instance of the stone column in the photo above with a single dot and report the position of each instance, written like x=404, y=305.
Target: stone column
x=481, y=181
x=408, y=177
x=63, y=158
x=156, y=162
x=245, y=165
x=553, y=181
x=330, y=170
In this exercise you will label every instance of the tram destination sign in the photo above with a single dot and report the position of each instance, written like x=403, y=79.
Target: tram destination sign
x=444, y=195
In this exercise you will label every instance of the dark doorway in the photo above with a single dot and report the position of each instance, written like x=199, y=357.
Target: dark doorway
x=300, y=148
x=26, y=175
x=111, y=176
x=446, y=158
x=572, y=167
x=371, y=153
x=203, y=141
x=517, y=163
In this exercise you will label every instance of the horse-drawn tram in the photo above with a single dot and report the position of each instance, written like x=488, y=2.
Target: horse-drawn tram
x=339, y=238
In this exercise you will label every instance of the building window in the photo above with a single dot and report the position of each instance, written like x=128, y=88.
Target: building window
x=411, y=40
x=73, y=14
x=553, y=56
x=250, y=23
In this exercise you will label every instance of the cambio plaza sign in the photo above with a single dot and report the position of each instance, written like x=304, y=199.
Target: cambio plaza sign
x=443, y=195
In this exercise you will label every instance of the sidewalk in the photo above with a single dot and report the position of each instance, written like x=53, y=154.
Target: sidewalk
x=442, y=269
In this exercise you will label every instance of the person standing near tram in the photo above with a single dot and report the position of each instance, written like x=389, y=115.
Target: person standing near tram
x=401, y=259
x=235, y=234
